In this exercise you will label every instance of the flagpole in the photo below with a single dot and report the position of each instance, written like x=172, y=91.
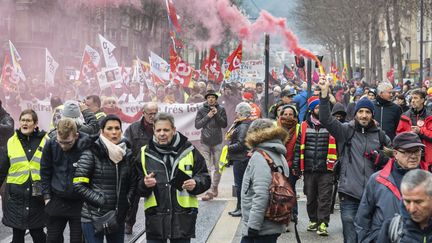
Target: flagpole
x=267, y=60
x=309, y=77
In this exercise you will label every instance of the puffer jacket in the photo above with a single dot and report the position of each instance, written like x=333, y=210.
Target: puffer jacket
x=6, y=128
x=237, y=149
x=22, y=210
x=211, y=133
x=316, y=148
x=99, y=193
x=168, y=219
x=388, y=115
x=58, y=167
x=257, y=179
x=411, y=230
x=380, y=201
x=355, y=174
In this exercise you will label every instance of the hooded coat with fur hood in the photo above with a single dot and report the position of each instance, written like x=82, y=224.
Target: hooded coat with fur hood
x=257, y=179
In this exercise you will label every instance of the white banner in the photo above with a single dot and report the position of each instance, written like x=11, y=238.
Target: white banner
x=50, y=68
x=108, y=51
x=184, y=115
x=159, y=67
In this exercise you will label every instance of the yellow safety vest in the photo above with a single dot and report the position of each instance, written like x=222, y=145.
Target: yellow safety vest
x=184, y=199
x=20, y=168
x=223, y=160
x=100, y=115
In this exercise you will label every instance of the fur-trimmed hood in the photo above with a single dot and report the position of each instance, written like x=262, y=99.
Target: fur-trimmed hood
x=253, y=139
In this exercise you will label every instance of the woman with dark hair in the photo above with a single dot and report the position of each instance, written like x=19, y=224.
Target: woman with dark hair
x=106, y=181
x=21, y=169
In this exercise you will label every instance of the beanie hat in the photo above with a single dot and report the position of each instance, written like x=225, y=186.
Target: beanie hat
x=71, y=109
x=248, y=96
x=313, y=101
x=365, y=103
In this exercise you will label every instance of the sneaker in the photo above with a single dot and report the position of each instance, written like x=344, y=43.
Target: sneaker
x=322, y=229
x=312, y=226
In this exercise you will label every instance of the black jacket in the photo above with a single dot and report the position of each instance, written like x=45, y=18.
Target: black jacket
x=58, y=167
x=99, y=193
x=388, y=115
x=22, y=210
x=211, y=133
x=237, y=149
x=137, y=136
x=316, y=148
x=411, y=232
x=168, y=219
x=6, y=128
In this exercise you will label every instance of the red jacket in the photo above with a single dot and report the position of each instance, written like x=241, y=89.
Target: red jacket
x=425, y=130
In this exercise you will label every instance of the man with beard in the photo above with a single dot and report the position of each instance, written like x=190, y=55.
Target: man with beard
x=354, y=141
x=315, y=155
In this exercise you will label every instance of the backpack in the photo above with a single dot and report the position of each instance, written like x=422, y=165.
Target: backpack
x=282, y=197
x=395, y=230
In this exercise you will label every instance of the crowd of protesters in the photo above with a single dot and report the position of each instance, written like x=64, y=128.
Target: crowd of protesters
x=355, y=139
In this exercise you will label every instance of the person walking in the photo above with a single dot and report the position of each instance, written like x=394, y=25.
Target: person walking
x=106, y=181
x=24, y=209
x=171, y=173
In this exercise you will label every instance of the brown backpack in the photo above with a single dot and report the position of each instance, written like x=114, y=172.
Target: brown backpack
x=282, y=197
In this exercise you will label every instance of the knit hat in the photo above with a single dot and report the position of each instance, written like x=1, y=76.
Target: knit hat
x=365, y=103
x=313, y=101
x=71, y=109
x=248, y=96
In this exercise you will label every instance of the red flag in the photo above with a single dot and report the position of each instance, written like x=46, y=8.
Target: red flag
x=212, y=68
x=288, y=73
x=274, y=74
x=390, y=76
x=181, y=72
x=172, y=15
x=344, y=71
x=273, y=80
x=87, y=67
x=7, y=72
x=234, y=60
x=301, y=74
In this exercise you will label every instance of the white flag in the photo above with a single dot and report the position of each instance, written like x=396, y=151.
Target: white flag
x=94, y=55
x=159, y=67
x=50, y=68
x=142, y=75
x=108, y=52
x=15, y=56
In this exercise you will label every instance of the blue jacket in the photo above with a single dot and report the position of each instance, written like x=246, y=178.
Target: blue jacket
x=379, y=202
x=301, y=100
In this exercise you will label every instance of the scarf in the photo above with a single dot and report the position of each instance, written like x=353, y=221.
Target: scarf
x=168, y=151
x=289, y=124
x=116, y=152
x=314, y=120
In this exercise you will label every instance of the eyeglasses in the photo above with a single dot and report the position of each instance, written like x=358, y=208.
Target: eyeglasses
x=26, y=120
x=408, y=153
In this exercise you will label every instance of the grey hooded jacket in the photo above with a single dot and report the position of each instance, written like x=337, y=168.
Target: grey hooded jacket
x=256, y=183
x=354, y=175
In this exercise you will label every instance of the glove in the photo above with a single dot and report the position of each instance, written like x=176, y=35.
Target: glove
x=253, y=232
x=373, y=156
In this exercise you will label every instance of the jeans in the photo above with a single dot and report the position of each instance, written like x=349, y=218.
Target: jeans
x=171, y=241
x=38, y=235
x=91, y=237
x=239, y=170
x=211, y=155
x=56, y=226
x=348, y=210
x=260, y=239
